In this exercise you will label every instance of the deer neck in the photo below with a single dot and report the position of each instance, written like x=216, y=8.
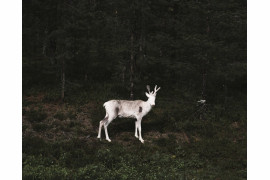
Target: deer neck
x=148, y=106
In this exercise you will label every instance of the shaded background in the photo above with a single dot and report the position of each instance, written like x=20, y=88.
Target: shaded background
x=79, y=54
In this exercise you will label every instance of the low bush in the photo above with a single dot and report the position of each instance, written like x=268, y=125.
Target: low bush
x=36, y=115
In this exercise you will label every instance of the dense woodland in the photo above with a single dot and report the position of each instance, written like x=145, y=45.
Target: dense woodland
x=79, y=54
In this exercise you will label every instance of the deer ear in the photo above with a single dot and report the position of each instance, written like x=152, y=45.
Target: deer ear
x=147, y=94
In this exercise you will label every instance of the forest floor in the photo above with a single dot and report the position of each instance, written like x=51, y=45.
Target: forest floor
x=60, y=142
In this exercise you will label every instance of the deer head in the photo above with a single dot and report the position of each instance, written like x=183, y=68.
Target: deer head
x=152, y=95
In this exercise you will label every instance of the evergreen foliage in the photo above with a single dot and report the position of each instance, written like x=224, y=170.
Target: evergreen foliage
x=83, y=53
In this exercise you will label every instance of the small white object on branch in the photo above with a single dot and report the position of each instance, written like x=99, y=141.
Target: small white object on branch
x=202, y=101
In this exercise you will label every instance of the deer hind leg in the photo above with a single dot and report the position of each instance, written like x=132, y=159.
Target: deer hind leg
x=106, y=131
x=111, y=117
x=106, y=124
x=101, y=123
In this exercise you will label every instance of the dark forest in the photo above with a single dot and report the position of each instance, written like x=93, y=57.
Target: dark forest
x=79, y=54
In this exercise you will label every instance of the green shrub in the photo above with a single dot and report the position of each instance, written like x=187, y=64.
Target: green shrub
x=73, y=124
x=71, y=115
x=42, y=172
x=60, y=115
x=35, y=145
x=40, y=127
x=36, y=115
x=51, y=95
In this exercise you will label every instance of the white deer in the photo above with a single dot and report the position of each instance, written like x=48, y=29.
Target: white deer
x=131, y=109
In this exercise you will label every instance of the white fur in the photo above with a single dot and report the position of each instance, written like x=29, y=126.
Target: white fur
x=131, y=109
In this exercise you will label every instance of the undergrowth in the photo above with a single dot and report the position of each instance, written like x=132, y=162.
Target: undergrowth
x=178, y=145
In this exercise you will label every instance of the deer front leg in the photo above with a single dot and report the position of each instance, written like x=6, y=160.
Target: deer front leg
x=140, y=131
x=136, y=131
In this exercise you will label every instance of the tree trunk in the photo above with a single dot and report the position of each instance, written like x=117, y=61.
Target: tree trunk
x=45, y=42
x=205, y=61
x=63, y=81
x=123, y=75
x=131, y=65
x=204, y=65
x=204, y=73
x=85, y=77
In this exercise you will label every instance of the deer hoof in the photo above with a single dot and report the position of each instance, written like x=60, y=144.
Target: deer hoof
x=142, y=141
x=136, y=136
x=108, y=140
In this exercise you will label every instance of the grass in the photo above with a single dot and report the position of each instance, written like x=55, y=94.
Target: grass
x=59, y=142
x=36, y=115
x=77, y=159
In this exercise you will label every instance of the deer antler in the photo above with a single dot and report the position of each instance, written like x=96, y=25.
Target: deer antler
x=148, y=88
x=156, y=90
